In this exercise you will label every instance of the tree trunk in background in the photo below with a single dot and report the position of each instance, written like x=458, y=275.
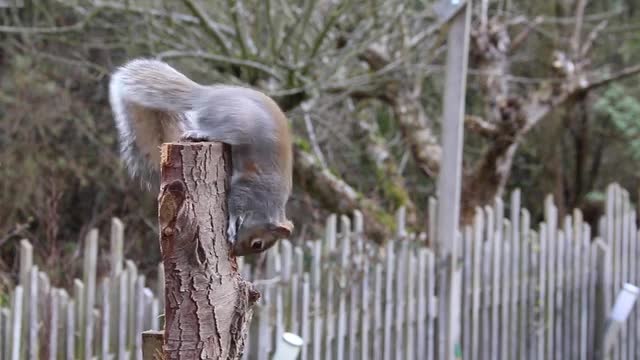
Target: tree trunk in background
x=208, y=304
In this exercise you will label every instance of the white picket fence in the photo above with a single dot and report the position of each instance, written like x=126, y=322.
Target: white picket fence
x=527, y=293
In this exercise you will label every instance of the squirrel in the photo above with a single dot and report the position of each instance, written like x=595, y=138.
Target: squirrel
x=153, y=103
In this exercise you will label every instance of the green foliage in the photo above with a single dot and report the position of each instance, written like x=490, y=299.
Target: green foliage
x=623, y=111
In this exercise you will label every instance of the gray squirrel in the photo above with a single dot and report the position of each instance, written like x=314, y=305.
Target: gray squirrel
x=153, y=103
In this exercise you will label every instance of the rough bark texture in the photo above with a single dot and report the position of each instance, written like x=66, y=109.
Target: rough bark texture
x=208, y=304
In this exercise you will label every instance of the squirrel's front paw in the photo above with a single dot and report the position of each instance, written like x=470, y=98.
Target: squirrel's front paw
x=194, y=136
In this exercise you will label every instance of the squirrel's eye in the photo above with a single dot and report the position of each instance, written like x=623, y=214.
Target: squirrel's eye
x=256, y=244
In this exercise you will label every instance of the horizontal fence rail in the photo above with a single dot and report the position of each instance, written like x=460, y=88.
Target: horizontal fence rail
x=528, y=292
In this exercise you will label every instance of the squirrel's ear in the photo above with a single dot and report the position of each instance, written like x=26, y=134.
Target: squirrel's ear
x=283, y=229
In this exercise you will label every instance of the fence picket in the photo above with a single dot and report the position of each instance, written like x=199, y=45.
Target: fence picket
x=514, y=244
x=24, y=278
x=476, y=273
x=377, y=313
x=505, y=282
x=89, y=280
x=53, y=325
x=70, y=318
x=388, y=302
x=316, y=279
x=305, y=315
x=16, y=322
x=421, y=336
x=5, y=322
x=365, y=302
x=432, y=305
x=33, y=324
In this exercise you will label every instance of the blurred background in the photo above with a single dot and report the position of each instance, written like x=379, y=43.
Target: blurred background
x=552, y=107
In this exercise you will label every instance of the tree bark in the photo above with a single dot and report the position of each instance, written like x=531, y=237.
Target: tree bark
x=208, y=303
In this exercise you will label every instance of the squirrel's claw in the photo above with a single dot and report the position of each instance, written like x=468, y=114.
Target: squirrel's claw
x=232, y=234
x=193, y=136
x=234, y=228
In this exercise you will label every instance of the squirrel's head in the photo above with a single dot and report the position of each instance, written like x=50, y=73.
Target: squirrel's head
x=256, y=235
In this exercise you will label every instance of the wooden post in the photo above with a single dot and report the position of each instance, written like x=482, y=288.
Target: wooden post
x=449, y=181
x=207, y=302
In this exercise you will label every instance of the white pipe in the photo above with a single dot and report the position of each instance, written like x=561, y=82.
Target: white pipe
x=288, y=347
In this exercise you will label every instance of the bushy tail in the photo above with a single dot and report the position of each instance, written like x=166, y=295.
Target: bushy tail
x=149, y=100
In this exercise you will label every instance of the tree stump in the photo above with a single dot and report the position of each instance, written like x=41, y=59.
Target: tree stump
x=208, y=304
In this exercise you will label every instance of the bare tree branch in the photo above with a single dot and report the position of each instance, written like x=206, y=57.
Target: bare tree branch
x=210, y=25
x=619, y=75
x=338, y=196
x=588, y=44
x=175, y=16
x=311, y=133
x=221, y=59
x=50, y=30
x=479, y=126
x=577, y=31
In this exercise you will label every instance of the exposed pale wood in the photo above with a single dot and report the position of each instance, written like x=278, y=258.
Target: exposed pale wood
x=208, y=304
x=160, y=290
x=152, y=345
